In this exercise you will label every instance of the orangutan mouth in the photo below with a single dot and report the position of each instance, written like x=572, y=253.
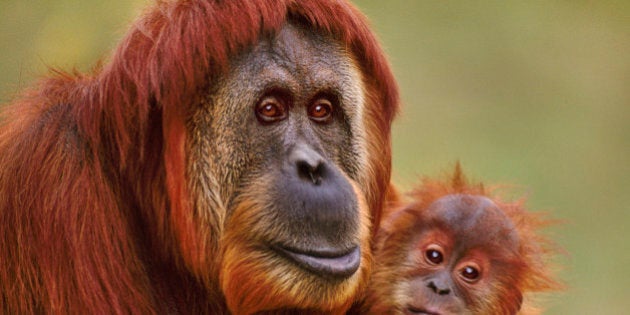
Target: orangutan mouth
x=327, y=263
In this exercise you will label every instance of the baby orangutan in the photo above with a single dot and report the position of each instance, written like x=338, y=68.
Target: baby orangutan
x=456, y=249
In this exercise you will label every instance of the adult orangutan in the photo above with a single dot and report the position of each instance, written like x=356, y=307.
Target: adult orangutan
x=230, y=156
x=454, y=248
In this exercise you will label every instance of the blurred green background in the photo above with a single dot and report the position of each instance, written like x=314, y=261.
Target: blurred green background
x=531, y=93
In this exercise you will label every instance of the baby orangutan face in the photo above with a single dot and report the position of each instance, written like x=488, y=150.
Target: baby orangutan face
x=464, y=259
x=459, y=254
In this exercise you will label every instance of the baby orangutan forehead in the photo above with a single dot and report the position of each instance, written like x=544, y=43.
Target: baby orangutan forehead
x=474, y=215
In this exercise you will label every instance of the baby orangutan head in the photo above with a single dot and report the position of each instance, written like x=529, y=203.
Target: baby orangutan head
x=455, y=249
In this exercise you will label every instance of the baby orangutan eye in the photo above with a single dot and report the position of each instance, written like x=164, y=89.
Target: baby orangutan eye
x=434, y=255
x=470, y=273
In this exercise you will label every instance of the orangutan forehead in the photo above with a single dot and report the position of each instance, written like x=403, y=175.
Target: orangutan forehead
x=299, y=59
x=299, y=46
x=474, y=215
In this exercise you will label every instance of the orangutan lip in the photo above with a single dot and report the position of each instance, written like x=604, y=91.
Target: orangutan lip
x=331, y=263
x=412, y=310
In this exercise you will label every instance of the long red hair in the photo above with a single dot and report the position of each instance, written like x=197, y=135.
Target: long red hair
x=92, y=166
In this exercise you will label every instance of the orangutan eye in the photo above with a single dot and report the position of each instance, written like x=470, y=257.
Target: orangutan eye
x=434, y=256
x=271, y=109
x=470, y=273
x=321, y=111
